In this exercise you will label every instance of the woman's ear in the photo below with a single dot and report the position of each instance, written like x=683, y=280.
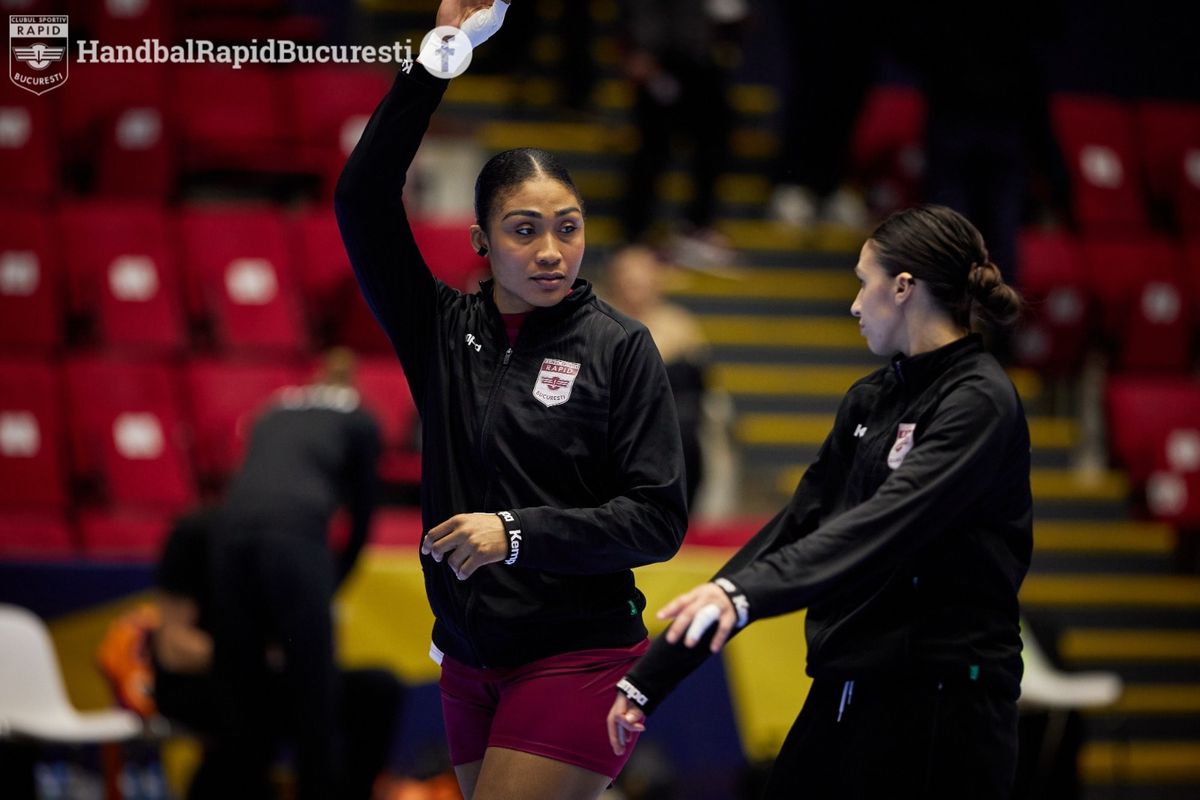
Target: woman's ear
x=904, y=286
x=479, y=240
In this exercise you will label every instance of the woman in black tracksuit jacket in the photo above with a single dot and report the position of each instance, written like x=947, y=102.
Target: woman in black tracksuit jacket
x=551, y=457
x=907, y=540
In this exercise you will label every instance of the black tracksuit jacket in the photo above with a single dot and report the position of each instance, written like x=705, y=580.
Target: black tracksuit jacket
x=908, y=556
x=595, y=484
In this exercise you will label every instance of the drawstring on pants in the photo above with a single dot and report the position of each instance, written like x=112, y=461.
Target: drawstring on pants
x=847, y=698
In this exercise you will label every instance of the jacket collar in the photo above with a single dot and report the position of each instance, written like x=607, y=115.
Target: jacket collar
x=917, y=372
x=581, y=293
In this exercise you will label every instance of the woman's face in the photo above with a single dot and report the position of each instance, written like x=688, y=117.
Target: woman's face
x=879, y=315
x=535, y=243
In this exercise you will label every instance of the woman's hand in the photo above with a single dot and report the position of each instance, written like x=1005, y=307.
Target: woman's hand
x=467, y=542
x=694, y=612
x=623, y=718
x=455, y=12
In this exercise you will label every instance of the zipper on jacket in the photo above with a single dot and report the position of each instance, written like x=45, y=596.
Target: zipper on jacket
x=487, y=413
x=483, y=459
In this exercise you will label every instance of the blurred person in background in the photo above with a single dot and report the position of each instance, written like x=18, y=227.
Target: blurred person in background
x=272, y=581
x=679, y=55
x=832, y=53
x=907, y=540
x=635, y=279
x=184, y=691
x=551, y=460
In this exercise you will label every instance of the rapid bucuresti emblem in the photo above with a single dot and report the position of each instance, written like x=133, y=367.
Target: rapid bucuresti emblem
x=38, y=49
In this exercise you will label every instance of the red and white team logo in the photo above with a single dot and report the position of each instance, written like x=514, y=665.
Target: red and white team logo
x=37, y=52
x=554, y=382
x=904, y=443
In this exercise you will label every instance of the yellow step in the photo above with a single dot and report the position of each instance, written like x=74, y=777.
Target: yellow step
x=771, y=284
x=583, y=137
x=676, y=186
x=1140, y=762
x=751, y=234
x=1047, y=484
x=1111, y=537
x=811, y=429
x=1158, y=591
x=822, y=381
x=1173, y=699
x=1085, y=644
x=782, y=332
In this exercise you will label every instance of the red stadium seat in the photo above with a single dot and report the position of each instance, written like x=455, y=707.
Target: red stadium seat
x=122, y=535
x=239, y=275
x=887, y=150
x=32, y=437
x=131, y=21
x=116, y=122
x=35, y=537
x=1098, y=140
x=1142, y=413
x=1170, y=139
x=330, y=106
x=232, y=119
x=335, y=306
x=28, y=145
x=385, y=392
x=128, y=432
x=122, y=275
x=446, y=246
x=223, y=399
x=31, y=297
x=1145, y=301
x=1054, y=333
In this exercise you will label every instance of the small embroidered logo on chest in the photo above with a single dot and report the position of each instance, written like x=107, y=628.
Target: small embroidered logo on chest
x=903, y=443
x=554, y=382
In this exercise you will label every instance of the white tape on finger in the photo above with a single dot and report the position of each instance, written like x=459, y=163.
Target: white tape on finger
x=484, y=23
x=703, y=620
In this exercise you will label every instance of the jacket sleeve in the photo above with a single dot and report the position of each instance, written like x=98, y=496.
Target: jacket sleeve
x=645, y=520
x=665, y=665
x=393, y=276
x=951, y=464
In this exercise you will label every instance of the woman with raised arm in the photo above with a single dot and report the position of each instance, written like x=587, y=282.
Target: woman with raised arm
x=551, y=460
x=907, y=540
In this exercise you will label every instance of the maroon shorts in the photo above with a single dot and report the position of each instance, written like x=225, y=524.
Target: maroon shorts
x=554, y=707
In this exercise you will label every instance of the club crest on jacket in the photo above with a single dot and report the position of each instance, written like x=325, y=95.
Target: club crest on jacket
x=903, y=443
x=554, y=382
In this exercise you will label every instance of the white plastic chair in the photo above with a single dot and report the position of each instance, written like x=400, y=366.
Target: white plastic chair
x=1045, y=687
x=33, y=699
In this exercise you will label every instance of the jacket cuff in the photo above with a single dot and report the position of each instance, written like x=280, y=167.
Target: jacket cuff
x=626, y=687
x=741, y=603
x=512, y=528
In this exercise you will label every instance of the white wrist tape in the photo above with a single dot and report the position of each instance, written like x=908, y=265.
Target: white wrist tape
x=483, y=24
x=703, y=620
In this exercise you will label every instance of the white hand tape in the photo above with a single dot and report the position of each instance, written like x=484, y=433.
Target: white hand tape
x=703, y=620
x=484, y=23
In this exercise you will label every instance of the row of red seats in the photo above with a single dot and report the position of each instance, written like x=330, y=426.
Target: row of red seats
x=1122, y=157
x=146, y=434
x=135, y=275
x=1136, y=296
x=138, y=128
x=1154, y=433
